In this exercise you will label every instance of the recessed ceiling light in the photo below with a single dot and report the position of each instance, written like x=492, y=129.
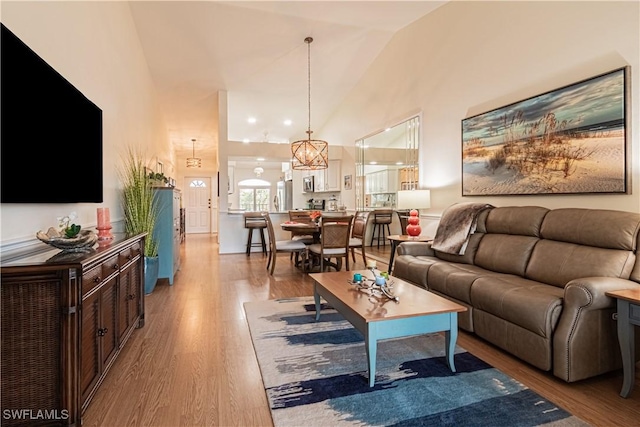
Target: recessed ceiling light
x=373, y=163
x=246, y=140
x=251, y=119
x=287, y=122
x=260, y=159
x=399, y=163
x=387, y=129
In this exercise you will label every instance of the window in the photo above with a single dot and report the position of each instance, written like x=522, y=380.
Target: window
x=197, y=183
x=254, y=195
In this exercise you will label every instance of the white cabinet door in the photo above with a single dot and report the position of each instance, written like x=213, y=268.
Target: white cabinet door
x=332, y=176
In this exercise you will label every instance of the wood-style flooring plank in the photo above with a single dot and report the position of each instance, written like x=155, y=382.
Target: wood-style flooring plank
x=193, y=363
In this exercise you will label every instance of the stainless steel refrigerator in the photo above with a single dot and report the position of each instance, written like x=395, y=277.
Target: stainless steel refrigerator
x=283, y=201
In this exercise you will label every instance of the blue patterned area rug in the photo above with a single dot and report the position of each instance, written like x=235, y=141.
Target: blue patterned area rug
x=315, y=374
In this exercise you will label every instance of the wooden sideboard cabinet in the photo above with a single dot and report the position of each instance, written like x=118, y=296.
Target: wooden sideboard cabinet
x=167, y=232
x=65, y=318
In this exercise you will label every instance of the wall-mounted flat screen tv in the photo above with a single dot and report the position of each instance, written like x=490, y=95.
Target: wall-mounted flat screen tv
x=50, y=133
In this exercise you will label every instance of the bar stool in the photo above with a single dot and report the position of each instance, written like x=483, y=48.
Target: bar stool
x=381, y=220
x=255, y=221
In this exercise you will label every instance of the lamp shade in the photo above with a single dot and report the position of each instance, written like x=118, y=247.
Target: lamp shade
x=414, y=199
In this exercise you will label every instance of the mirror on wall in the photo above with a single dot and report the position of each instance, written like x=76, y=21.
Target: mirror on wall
x=386, y=162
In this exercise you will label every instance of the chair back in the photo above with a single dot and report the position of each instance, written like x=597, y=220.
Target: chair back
x=300, y=216
x=382, y=216
x=272, y=235
x=336, y=232
x=254, y=220
x=359, y=227
x=403, y=216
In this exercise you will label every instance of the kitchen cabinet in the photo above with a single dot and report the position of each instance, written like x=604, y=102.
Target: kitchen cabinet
x=67, y=316
x=167, y=232
x=382, y=181
x=328, y=179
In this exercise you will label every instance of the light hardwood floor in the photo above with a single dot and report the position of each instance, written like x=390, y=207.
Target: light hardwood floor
x=193, y=363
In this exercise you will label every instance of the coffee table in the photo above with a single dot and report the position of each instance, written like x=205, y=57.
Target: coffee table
x=417, y=312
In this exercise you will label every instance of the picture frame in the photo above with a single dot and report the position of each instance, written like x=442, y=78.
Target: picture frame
x=347, y=182
x=571, y=140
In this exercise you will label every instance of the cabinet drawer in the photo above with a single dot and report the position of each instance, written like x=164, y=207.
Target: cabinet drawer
x=110, y=266
x=634, y=312
x=129, y=254
x=91, y=279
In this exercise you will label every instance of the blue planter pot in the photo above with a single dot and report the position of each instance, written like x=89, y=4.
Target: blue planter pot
x=151, y=268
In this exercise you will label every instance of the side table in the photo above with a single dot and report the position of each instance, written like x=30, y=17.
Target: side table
x=628, y=315
x=396, y=239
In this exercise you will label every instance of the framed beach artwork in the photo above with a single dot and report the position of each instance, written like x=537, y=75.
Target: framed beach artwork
x=572, y=140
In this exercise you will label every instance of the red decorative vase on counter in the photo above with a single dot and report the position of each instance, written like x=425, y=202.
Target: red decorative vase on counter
x=413, y=226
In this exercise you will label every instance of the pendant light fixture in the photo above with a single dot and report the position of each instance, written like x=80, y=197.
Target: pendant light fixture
x=194, y=162
x=309, y=154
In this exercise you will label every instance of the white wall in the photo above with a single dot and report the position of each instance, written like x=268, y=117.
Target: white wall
x=470, y=57
x=95, y=46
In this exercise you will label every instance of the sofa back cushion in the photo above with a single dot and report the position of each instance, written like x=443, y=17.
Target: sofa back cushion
x=557, y=263
x=585, y=243
x=510, y=236
x=593, y=227
x=504, y=253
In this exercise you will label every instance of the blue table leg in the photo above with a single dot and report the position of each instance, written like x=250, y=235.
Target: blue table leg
x=316, y=296
x=371, y=344
x=450, y=344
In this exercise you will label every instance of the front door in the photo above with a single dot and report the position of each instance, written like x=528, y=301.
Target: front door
x=198, y=205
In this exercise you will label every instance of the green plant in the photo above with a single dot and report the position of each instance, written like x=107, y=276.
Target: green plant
x=139, y=201
x=158, y=176
x=69, y=230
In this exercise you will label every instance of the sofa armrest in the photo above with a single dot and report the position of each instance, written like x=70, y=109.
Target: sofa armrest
x=589, y=293
x=415, y=249
x=585, y=342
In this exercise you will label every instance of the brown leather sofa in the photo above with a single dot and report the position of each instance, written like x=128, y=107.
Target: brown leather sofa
x=534, y=282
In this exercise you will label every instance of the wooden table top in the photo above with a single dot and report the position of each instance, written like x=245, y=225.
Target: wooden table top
x=407, y=238
x=631, y=295
x=296, y=226
x=414, y=301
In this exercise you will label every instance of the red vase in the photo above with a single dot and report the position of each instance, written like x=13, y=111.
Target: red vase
x=413, y=227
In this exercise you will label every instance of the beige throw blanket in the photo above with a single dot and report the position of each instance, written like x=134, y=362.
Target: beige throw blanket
x=458, y=223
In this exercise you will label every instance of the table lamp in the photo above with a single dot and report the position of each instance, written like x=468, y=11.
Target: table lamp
x=414, y=199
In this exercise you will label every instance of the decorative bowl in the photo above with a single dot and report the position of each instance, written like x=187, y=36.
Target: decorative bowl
x=83, y=242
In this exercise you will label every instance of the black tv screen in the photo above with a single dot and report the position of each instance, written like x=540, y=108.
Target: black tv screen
x=50, y=133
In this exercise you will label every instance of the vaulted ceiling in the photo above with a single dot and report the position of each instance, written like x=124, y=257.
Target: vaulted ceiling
x=255, y=51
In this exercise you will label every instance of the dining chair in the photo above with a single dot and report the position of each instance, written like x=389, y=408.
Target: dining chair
x=358, y=231
x=280, y=246
x=302, y=235
x=334, y=241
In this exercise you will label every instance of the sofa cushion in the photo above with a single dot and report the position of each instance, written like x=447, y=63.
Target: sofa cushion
x=455, y=280
x=413, y=269
x=593, y=227
x=469, y=253
x=504, y=253
x=518, y=220
x=529, y=304
x=557, y=263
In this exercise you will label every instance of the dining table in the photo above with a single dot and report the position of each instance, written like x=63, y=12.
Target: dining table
x=313, y=229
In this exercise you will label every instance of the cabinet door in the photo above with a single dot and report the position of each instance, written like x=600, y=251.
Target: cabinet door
x=108, y=331
x=90, y=345
x=128, y=300
x=99, y=338
x=333, y=181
